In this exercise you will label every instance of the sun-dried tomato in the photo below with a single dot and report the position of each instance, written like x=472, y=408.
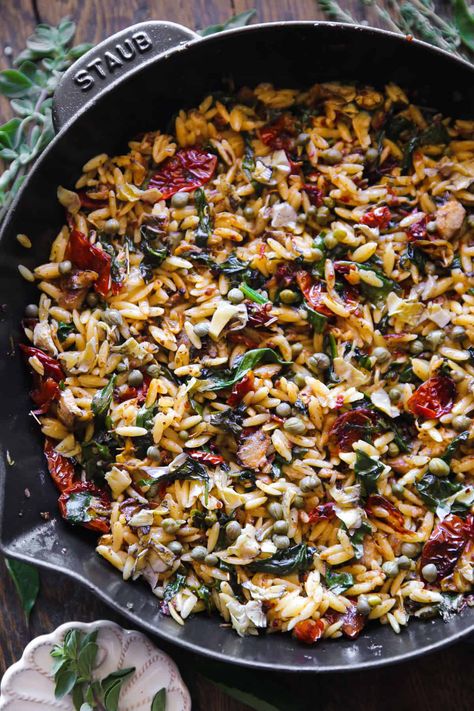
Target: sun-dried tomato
x=315, y=195
x=143, y=389
x=353, y=622
x=60, y=468
x=90, y=510
x=446, y=543
x=188, y=169
x=352, y=426
x=207, y=458
x=258, y=314
x=323, y=512
x=378, y=217
x=52, y=368
x=85, y=255
x=236, y=337
x=380, y=507
x=418, y=230
x=278, y=134
x=285, y=274
x=241, y=389
x=308, y=631
x=88, y=202
x=312, y=292
x=44, y=393
x=434, y=398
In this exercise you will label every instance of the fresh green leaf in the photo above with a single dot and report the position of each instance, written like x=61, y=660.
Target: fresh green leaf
x=145, y=417
x=367, y=472
x=64, y=329
x=357, y=539
x=453, y=446
x=86, y=659
x=27, y=582
x=318, y=321
x=77, y=507
x=240, y=20
x=99, y=453
x=338, y=583
x=204, y=228
x=159, y=701
x=253, y=295
x=173, y=588
x=14, y=83
x=229, y=420
x=247, y=362
x=102, y=399
x=434, y=491
x=464, y=21
x=248, y=161
x=298, y=557
x=112, y=686
x=375, y=294
x=65, y=681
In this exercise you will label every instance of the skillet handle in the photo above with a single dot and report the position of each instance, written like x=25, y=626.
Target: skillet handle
x=111, y=61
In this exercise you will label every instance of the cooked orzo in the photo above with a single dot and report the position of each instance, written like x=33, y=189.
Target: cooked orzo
x=253, y=358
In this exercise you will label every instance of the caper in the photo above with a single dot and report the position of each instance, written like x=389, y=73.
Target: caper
x=31, y=311
x=393, y=449
x=183, y=435
x=295, y=426
x=371, y=155
x=249, y=212
x=429, y=572
x=280, y=526
x=434, y=338
x=233, y=530
x=112, y=317
x=417, y=347
x=319, y=361
x=283, y=409
x=199, y=553
x=394, y=394
x=287, y=296
x=211, y=559
x=65, y=267
x=210, y=518
x=92, y=299
x=201, y=329
x=153, y=370
x=300, y=380
x=275, y=510
x=340, y=234
x=410, y=550
x=363, y=605
x=329, y=202
x=296, y=349
x=439, y=467
x=381, y=354
x=323, y=215
x=179, y=200
x=302, y=139
x=122, y=367
x=135, y=378
x=309, y=483
x=153, y=453
x=169, y=525
x=281, y=542
x=461, y=423
x=458, y=333
x=111, y=226
x=235, y=296
x=390, y=568
x=404, y=562
x=175, y=547
x=330, y=241
x=398, y=489
x=298, y=502
x=331, y=156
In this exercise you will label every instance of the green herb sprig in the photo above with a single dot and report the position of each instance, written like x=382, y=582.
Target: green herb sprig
x=27, y=583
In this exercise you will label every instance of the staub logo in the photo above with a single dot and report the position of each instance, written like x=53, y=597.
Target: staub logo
x=111, y=61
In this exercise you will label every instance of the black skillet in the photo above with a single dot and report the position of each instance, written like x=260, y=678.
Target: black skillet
x=133, y=82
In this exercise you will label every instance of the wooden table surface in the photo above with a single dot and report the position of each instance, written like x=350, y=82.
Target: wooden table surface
x=439, y=681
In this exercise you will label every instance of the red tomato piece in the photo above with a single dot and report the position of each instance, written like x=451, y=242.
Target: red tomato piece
x=235, y=337
x=312, y=292
x=258, y=314
x=60, y=468
x=315, y=195
x=86, y=504
x=378, y=217
x=446, y=544
x=434, y=398
x=278, y=134
x=85, y=255
x=45, y=392
x=188, y=169
x=308, y=631
x=52, y=368
x=207, y=458
x=383, y=509
x=89, y=202
x=240, y=389
x=351, y=426
x=323, y=512
x=418, y=230
x=353, y=622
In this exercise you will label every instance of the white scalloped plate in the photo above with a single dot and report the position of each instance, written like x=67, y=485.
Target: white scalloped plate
x=28, y=685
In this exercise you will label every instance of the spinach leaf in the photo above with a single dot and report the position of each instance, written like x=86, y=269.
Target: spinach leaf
x=204, y=227
x=338, y=582
x=357, y=539
x=416, y=256
x=145, y=417
x=367, y=472
x=452, y=447
x=190, y=469
x=64, y=329
x=27, y=583
x=318, y=321
x=99, y=453
x=102, y=399
x=396, y=126
x=232, y=265
x=242, y=366
x=407, y=375
x=434, y=491
x=253, y=295
x=450, y=605
x=159, y=701
x=248, y=161
x=77, y=507
x=173, y=588
x=229, y=420
x=435, y=133
x=298, y=557
x=361, y=358
x=153, y=256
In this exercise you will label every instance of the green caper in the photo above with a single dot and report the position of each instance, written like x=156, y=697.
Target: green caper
x=295, y=426
x=283, y=409
x=210, y=518
x=393, y=449
x=111, y=226
x=201, y=329
x=330, y=241
x=298, y=502
x=112, y=317
x=394, y=394
x=199, y=553
x=175, y=547
x=429, y=572
x=404, y=562
x=458, y=333
x=381, y=354
x=363, y=605
x=153, y=370
x=179, y=200
x=249, y=212
x=323, y=215
x=371, y=155
x=300, y=380
x=296, y=349
x=417, y=347
x=439, y=467
x=183, y=435
x=302, y=139
x=331, y=156
x=410, y=550
x=461, y=423
x=309, y=483
x=233, y=530
x=434, y=338
x=92, y=299
x=122, y=367
x=275, y=510
x=329, y=202
x=280, y=526
x=390, y=568
x=211, y=559
x=287, y=296
x=135, y=378
x=65, y=267
x=281, y=542
x=235, y=296
x=153, y=453
x=31, y=311
x=169, y=525
x=319, y=361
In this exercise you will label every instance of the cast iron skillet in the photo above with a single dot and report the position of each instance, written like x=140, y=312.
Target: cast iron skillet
x=96, y=109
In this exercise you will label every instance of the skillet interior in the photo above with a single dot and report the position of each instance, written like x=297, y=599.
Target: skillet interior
x=289, y=54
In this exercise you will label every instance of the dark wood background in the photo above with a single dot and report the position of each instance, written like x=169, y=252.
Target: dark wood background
x=439, y=681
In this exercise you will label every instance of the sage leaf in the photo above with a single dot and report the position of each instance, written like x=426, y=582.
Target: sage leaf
x=65, y=682
x=159, y=701
x=27, y=583
x=464, y=21
x=14, y=83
